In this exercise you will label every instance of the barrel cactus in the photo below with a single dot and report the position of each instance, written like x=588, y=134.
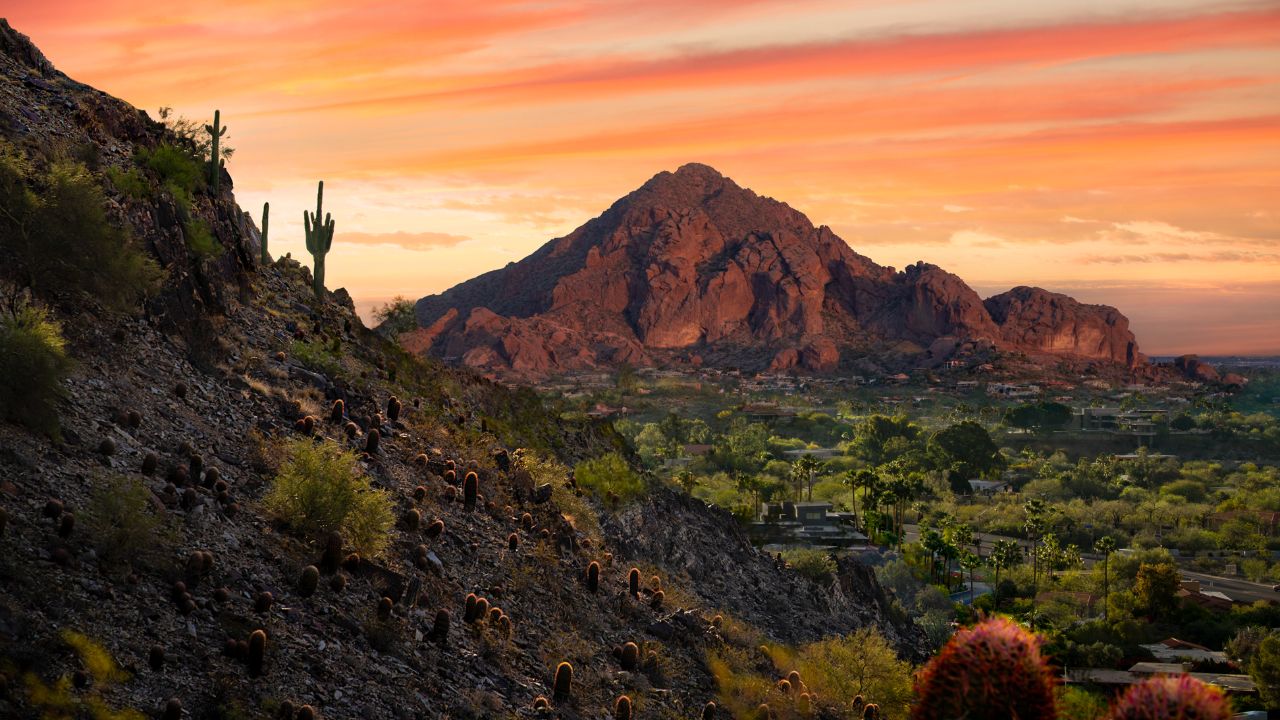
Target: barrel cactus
x=991, y=671
x=1171, y=698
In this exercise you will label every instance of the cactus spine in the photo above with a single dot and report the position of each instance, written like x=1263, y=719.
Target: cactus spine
x=216, y=131
x=319, y=239
x=266, y=216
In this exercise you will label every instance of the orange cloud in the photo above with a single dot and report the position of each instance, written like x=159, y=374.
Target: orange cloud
x=948, y=53
x=409, y=241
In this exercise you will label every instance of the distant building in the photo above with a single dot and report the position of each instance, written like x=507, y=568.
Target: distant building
x=1211, y=600
x=1265, y=520
x=1229, y=683
x=1175, y=650
x=988, y=487
x=818, y=453
x=806, y=522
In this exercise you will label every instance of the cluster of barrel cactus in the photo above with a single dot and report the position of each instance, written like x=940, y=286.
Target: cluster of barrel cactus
x=995, y=670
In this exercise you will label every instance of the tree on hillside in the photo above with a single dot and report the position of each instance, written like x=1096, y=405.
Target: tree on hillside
x=967, y=452
x=396, y=317
x=1264, y=668
x=1038, y=416
x=1155, y=588
x=880, y=438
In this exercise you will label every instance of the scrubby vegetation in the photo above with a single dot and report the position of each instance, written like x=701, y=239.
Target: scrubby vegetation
x=320, y=489
x=55, y=237
x=126, y=531
x=33, y=363
x=609, y=477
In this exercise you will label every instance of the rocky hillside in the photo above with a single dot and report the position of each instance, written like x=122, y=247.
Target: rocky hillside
x=693, y=268
x=149, y=562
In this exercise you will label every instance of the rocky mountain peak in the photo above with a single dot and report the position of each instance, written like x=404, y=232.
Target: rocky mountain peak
x=692, y=266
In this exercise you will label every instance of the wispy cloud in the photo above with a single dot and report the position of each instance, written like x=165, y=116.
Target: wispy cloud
x=421, y=241
x=1226, y=256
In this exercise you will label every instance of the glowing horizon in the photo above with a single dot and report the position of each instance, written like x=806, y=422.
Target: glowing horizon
x=1122, y=152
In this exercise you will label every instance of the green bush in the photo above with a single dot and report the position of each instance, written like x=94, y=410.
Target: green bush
x=396, y=317
x=609, y=474
x=129, y=183
x=320, y=489
x=123, y=526
x=55, y=237
x=175, y=166
x=33, y=363
x=316, y=356
x=817, y=565
x=200, y=240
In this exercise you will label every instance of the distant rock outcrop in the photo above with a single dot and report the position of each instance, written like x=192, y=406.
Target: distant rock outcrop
x=1194, y=368
x=692, y=265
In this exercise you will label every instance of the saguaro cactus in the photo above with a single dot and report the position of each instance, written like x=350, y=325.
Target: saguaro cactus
x=266, y=215
x=319, y=240
x=216, y=131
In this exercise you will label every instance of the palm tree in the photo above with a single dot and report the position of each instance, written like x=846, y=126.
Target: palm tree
x=932, y=541
x=1004, y=553
x=685, y=478
x=970, y=561
x=859, y=479
x=805, y=467
x=1105, y=545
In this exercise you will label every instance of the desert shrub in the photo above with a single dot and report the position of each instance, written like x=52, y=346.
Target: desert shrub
x=123, y=526
x=62, y=700
x=609, y=475
x=396, y=317
x=33, y=363
x=577, y=510
x=316, y=356
x=835, y=671
x=179, y=169
x=55, y=237
x=863, y=663
x=817, y=565
x=200, y=240
x=1076, y=703
x=320, y=489
x=128, y=182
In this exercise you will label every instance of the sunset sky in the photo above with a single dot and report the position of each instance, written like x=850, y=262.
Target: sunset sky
x=1122, y=151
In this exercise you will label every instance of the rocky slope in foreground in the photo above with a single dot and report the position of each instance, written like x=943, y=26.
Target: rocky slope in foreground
x=691, y=268
x=223, y=364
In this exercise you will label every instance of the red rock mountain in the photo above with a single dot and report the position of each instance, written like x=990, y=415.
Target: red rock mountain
x=692, y=268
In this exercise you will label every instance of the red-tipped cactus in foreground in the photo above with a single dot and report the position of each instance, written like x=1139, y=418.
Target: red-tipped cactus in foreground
x=991, y=671
x=1171, y=698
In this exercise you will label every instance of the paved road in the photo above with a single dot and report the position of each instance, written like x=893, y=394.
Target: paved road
x=1237, y=589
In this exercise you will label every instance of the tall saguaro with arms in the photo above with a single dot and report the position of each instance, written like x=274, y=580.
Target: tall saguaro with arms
x=319, y=240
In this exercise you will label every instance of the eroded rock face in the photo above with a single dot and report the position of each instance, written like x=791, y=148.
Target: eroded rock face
x=692, y=264
x=1038, y=320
